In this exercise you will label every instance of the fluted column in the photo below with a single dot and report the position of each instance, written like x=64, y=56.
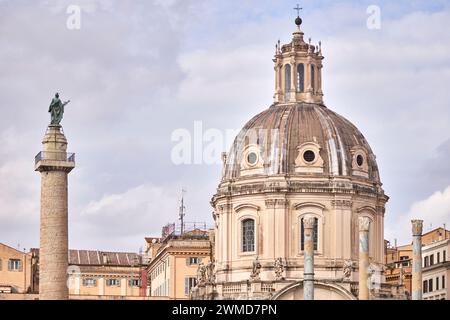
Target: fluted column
x=308, y=287
x=417, y=226
x=364, y=226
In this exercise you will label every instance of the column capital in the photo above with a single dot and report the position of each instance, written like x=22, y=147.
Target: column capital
x=309, y=221
x=417, y=227
x=364, y=223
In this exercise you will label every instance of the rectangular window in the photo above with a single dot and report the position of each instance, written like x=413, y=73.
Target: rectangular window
x=438, y=258
x=134, y=283
x=14, y=265
x=113, y=282
x=437, y=283
x=189, y=283
x=443, y=256
x=192, y=261
x=425, y=286
x=425, y=262
x=431, y=259
x=89, y=282
x=443, y=282
x=430, y=285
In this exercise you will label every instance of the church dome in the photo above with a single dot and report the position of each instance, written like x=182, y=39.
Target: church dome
x=296, y=166
x=304, y=139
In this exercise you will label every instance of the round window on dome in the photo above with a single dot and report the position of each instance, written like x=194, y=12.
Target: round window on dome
x=359, y=160
x=252, y=158
x=309, y=156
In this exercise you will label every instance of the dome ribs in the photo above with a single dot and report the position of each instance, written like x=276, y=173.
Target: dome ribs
x=235, y=155
x=282, y=128
x=330, y=143
x=342, y=148
x=284, y=143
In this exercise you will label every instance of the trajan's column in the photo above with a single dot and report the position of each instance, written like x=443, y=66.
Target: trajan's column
x=54, y=164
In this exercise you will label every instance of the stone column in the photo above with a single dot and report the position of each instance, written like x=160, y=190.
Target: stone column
x=293, y=81
x=54, y=164
x=364, y=225
x=278, y=89
x=308, y=78
x=308, y=287
x=400, y=281
x=417, y=226
x=319, y=82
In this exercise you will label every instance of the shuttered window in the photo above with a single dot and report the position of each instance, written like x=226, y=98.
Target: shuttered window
x=14, y=265
x=113, y=282
x=134, y=283
x=89, y=282
x=189, y=283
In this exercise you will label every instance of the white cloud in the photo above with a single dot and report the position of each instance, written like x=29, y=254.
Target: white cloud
x=434, y=211
x=146, y=208
x=133, y=214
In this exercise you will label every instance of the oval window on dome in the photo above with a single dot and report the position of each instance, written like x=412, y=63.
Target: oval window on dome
x=252, y=158
x=360, y=160
x=309, y=156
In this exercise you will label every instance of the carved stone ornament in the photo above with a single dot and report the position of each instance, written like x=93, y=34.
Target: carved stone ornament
x=347, y=268
x=308, y=222
x=279, y=269
x=417, y=227
x=210, y=272
x=256, y=270
x=364, y=223
x=201, y=274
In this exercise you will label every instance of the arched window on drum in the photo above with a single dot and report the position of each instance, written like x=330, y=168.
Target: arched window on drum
x=301, y=77
x=248, y=235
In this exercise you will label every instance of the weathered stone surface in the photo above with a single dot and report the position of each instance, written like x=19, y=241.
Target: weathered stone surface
x=53, y=260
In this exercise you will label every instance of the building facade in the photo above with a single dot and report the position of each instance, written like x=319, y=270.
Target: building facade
x=91, y=274
x=175, y=261
x=398, y=269
x=295, y=160
x=436, y=270
x=95, y=274
x=398, y=260
x=15, y=270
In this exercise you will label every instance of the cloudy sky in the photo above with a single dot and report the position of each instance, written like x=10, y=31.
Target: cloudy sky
x=137, y=71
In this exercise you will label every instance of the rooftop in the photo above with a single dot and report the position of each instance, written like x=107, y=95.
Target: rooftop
x=100, y=258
